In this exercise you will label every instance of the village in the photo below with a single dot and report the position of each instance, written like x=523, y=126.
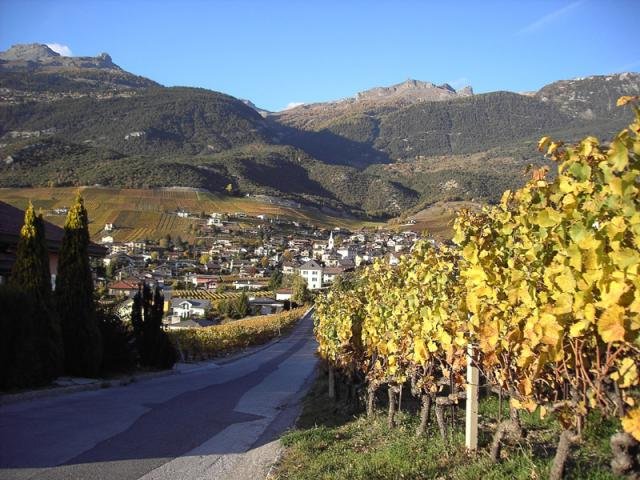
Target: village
x=238, y=258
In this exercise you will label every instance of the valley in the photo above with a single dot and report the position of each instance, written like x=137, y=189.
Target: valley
x=73, y=121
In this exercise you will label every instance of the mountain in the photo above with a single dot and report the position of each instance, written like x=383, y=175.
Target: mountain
x=83, y=121
x=34, y=72
x=379, y=99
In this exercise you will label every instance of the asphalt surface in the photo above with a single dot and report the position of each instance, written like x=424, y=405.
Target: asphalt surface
x=216, y=421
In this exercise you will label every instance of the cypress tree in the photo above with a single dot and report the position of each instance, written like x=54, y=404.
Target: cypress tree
x=31, y=275
x=74, y=297
x=152, y=342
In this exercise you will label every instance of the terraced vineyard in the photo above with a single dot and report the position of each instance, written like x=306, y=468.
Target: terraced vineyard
x=140, y=214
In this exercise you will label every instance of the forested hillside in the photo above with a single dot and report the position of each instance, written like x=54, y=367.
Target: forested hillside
x=83, y=121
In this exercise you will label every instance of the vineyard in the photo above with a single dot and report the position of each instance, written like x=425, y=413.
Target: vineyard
x=216, y=296
x=208, y=342
x=543, y=286
x=140, y=214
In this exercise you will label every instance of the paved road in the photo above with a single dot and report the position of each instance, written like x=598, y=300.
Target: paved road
x=217, y=421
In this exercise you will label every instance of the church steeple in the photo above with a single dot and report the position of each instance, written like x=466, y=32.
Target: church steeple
x=330, y=244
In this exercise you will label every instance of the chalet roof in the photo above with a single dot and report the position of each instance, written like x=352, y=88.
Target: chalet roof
x=333, y=270
x=124, y=285
x=311, y=265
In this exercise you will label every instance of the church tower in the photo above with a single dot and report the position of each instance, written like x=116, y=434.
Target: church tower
x=330, y=244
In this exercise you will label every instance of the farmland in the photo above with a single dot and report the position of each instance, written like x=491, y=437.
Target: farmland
x=140, y=214
x=216, y=296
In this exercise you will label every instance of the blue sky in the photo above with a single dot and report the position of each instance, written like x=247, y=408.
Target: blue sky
x=280, y=52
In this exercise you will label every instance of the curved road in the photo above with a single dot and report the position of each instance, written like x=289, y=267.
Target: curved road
x=215, y=421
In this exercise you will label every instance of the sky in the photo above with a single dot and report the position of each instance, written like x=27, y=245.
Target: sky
x=280, y=53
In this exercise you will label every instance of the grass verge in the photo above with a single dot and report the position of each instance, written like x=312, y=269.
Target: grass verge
x=331, y=441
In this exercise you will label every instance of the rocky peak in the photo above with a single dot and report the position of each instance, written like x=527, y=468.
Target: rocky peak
x=41, y=56
x=413, y=91
x=31, y=52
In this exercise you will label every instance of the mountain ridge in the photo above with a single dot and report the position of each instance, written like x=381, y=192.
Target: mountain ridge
x=84, y=124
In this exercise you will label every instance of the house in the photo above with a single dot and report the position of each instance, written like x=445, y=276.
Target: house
x=106, y=239
x=11, y=220
x=108, y=227
x=312, y=273
x=187, y=308
x=284, y=294
x=330, y=273
x=248, y=285
x=289, y=268
x=264, y=306
x=208, y=282
x=123, y=287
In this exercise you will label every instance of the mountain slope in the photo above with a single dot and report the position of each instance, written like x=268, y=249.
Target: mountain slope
x=83, y=121
x=34, y=72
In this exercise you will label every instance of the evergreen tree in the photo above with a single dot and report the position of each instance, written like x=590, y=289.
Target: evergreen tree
x=152, y=342
x=74, y=297
x=31, y=275
x=20, y=364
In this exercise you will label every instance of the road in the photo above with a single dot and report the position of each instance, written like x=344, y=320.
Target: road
x=216, y=421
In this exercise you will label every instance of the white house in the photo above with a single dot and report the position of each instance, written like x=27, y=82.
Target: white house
x=108, y=227
x=248, y=285
x=106, y=239
x=312, y=273
x=184, y=308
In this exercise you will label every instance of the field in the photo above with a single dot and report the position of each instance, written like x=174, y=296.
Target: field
x=216, y=296
x=437, y=219
x=140, y=214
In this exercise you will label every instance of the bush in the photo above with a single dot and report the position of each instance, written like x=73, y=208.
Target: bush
x=119, y=354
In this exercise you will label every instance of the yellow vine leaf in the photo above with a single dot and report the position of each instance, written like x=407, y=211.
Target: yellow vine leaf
x=611, y=324
x=631, y=423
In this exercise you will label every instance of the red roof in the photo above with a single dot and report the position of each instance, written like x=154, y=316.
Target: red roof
x=124, y=285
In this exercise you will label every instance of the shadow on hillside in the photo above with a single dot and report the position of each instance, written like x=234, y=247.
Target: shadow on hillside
x=333, y=149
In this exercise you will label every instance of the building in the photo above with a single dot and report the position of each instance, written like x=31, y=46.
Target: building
x=11, y=221
x=187, y=308
x=312, y=273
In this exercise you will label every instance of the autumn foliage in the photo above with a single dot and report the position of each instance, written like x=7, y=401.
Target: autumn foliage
x=545, y=284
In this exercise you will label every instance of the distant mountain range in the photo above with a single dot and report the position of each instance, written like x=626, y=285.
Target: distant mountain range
x=83, y=121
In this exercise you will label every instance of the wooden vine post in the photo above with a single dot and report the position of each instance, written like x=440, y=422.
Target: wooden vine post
x=471, y=423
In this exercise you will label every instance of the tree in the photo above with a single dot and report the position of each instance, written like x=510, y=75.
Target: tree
x=19, y=360
x=119, y=353
x=204, y=259
x=275, y=281
x=300, y=294
x=74, y=296
x=31, y=274
x=229, y=189
x=155, y=350
x=264, y=261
